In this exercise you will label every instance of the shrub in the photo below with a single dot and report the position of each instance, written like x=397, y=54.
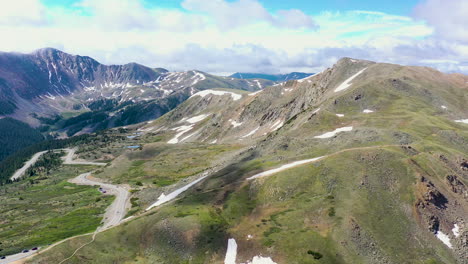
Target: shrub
x=314, y=254
x=331, y=211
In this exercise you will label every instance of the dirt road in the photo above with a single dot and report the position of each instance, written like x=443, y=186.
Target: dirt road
x=19, y=173
x=67, y=160
x=116, y=211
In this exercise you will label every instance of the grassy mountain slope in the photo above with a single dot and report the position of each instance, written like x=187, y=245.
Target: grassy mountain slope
x=379, y=195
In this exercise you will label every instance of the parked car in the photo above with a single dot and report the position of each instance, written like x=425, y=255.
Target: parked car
x=2, y=257
x=34, y=248
x=25, y=251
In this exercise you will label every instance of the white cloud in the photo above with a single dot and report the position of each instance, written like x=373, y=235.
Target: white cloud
x=449, y=18
x=230, y=15
x=294, y=18
x=195, y=36
x=22, y=12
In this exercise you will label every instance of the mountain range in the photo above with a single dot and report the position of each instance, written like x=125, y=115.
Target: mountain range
x=365, y=162
x=37, y=88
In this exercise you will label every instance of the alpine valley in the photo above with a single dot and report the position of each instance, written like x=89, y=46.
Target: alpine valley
x=364, y=162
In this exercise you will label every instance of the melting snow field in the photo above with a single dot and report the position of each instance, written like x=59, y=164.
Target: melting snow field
x=231, y=253
x=334, y=132
x=282, y=168
x=261, y=260
x=462, y=121
x=197, y=119
x=187, y=137
x=182, y=130
x=367, y=111
x=347, y=83
x=456, y=230
x=251, y=133
x=166, y=198
x=444, y=238
x=277, y=125
x=204, y=93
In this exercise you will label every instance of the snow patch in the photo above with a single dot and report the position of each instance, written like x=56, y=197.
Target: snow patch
x=251, y=133
x=204, y=93
x=339, y=115
x=214, y=141
x=258, y=84
x=308, y=77
x=443, y=107
x=166, y=198
x=277, y=125
x=182, y=130
x=187, y=137
x=456, y=230
x=282, y=168
x=197, y=119
x=50, y=96
x=347, y=83
x=462, y=121
x=235, y=124
x=255, y=93
x=261, y=260
x=231, y=252
x=316, y=111
x=367, y=111
x=334, y=132
x=444, y=238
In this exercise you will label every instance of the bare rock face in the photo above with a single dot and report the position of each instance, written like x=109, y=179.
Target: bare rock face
x=432, y=207
x=457, y=186
x=432, y=196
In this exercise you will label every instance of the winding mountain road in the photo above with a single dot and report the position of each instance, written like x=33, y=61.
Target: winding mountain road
x=67, y=160
x=20, y=172
x=116, y=211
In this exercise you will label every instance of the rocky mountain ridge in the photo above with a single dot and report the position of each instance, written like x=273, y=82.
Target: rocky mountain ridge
x=49, y=82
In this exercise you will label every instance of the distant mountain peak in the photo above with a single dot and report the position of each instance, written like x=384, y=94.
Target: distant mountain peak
x=47, y=50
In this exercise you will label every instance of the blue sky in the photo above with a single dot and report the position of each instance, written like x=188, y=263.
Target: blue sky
x=397, y=7
x=225, y=36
